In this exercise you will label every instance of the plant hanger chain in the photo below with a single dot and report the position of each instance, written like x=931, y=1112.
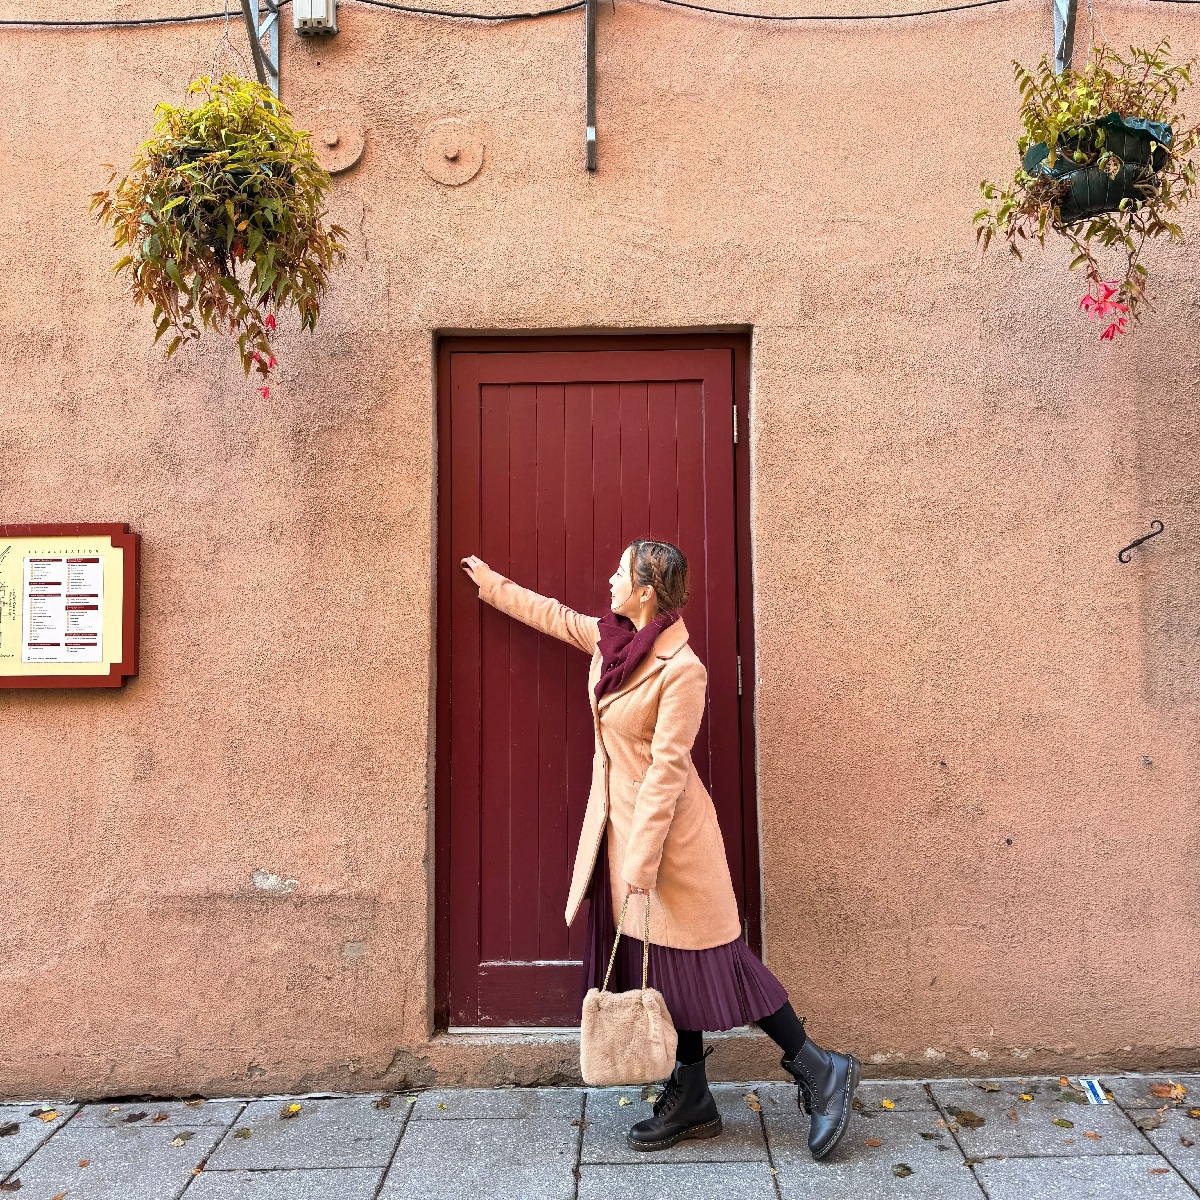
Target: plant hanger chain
x=225, y=51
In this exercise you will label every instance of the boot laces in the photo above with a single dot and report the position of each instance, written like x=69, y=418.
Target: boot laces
x=668, y=1097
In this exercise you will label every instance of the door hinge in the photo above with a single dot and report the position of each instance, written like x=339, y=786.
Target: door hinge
x=735, y=424
x=739, y=658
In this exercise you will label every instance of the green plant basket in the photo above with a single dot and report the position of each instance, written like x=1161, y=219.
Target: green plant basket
x=1139, y=146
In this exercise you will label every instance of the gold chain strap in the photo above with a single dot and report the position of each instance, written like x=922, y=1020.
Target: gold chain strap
x=612, y=958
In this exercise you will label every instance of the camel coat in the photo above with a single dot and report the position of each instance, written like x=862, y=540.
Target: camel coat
x=662, y=826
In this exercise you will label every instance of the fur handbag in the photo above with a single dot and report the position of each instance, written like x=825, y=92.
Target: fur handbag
x=626, y=1037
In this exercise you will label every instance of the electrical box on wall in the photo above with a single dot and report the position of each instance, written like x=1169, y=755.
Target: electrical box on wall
x=314, y=16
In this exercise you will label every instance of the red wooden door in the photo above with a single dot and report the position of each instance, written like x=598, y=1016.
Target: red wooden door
x=552, y=462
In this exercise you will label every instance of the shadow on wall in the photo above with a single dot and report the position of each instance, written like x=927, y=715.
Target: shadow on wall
x=1166, y=433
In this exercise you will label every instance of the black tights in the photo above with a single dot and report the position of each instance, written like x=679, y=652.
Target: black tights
x=782, y=1027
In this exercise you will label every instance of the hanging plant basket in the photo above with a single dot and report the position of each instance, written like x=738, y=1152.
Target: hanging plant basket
x=1104, y=162
x=222, y=220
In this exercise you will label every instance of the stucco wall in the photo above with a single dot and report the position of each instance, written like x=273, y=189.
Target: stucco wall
x=945, y=462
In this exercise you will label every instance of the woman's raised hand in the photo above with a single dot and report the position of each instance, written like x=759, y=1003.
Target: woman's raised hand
x=475, y=567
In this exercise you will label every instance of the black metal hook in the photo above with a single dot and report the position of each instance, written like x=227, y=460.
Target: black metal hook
x=1124, y=555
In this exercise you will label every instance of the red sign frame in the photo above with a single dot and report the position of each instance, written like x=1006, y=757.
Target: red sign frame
x=131, y=544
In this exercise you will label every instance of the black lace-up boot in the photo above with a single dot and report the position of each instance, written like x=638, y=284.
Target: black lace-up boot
x=685, y=1109
x=825, y=1083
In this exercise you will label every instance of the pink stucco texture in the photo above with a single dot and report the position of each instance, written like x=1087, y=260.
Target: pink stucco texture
x=977, y=738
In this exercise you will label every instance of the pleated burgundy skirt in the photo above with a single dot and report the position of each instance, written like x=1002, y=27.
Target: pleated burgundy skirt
x=720, y=988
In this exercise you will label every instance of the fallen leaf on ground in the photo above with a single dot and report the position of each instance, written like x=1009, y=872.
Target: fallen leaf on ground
x=1186, y=1141
x=1194, y=1113
x=411, y=1099
x=60, y=1196
x=624, y=1100
x=1150, y=1121
x=180, y=1138
x=929, y=1137
x=581, y=1124
x=194, y=1103
x=873, y=1142
x=13, y=1185
x=941, y=1124
x=138, y=1116
x=158, y=1117
x=85, y=1162
x=1063, y=1123
x=902, y=1170
x=967, y=1162
x=442, y=1107
x=241, y=1133
x=888, y=1104
x=52, y=1115
x=293, y=1110
x=1168, y=1091
x=1063, y=1081
x=1091, y=1133
x=986, y=1085
x=382, y=1102
x=1026, y=1096
x=969, y=1120
x=9, y=1128
x=1011, y=1114
x=1160, y=1170
x=751, y=1102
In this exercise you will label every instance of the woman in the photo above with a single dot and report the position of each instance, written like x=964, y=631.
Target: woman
x=650, y=835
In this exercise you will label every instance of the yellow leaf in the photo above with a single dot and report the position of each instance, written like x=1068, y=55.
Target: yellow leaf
x=52, y=1115
x=294, y=1108
x=751, y=1102
x=624, y=1100
x=1026, y=1096
x=887, y=1104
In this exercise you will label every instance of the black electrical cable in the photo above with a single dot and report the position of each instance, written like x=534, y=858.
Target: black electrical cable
x=189, y=18
x=473, y=16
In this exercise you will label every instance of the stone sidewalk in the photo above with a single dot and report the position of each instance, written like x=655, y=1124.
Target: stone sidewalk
x=1006, y=1139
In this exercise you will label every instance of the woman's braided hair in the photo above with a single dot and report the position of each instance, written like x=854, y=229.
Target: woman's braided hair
x=662, y=566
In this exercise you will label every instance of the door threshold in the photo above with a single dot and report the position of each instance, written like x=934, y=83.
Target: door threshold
x=509, y=1033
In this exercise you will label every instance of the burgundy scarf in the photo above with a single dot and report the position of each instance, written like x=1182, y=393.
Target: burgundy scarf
x=623, y=646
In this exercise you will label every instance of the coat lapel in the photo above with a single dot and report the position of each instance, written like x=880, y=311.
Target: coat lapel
x=667, y=644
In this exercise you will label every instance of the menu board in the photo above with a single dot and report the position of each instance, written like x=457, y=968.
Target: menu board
x=68, y=605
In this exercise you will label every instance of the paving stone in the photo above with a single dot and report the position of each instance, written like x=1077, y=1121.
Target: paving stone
x=904, y=1094
x=653, y=1181
x=1169, y=1137
x=1100, y=1178
x=348, y=1132
x=353, y=1183
x=485, y=1159
x=178, y=1115
x=123, y=1164
x=607, y=1122
x=1133, y=1091
x=857, y=1171
x=32, y=1131
x=455, y=1104
x=1033, y=1132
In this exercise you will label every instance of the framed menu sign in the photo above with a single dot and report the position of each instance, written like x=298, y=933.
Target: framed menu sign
x=68, y=605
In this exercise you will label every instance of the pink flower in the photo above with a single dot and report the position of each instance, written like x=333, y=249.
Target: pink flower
x=1104, y=304
x=265, y=393
x=269, y=323
x=271, y=362
x=1117, y=326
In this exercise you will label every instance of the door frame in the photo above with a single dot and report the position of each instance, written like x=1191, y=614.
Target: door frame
x=739, y=342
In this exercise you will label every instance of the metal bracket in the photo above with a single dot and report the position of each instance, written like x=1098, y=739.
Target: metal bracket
x=266, y=62
x=1064, y=34
x=589, y=54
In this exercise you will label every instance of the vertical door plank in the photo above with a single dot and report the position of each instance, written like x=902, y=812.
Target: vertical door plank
x=635, y=463
x=585, y=591
x=721, y=565
x=524, y=681
x=550, y=868
x=495, y=711
x=466, y=759
x=663, y=524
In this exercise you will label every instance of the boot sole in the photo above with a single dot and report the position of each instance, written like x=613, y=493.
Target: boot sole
x=710, y=1129
x=852, y=1078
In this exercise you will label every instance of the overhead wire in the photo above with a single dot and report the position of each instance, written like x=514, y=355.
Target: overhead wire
x=534, y=14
